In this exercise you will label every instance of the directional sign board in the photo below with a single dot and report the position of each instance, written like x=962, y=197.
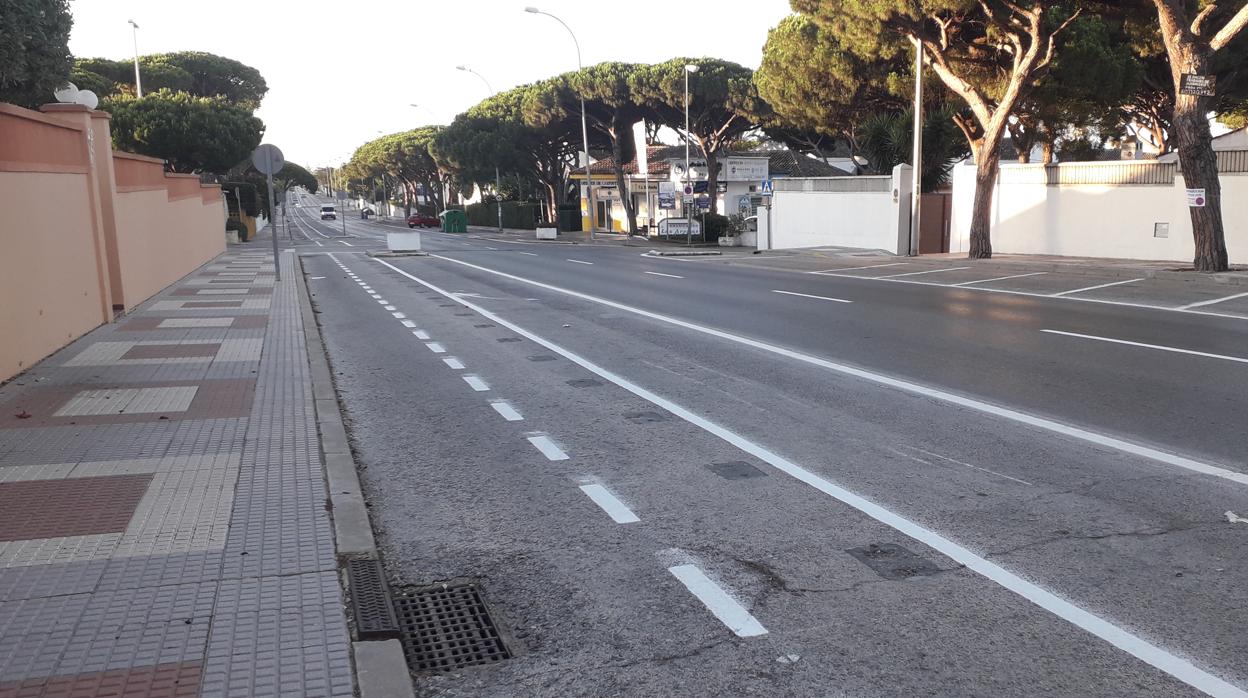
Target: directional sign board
x=268, y=159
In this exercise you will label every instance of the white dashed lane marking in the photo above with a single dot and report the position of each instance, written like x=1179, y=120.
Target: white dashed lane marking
x=616, y=509
x=476, y=383
x=717, y=601
x=505, y=409
x=548, y=448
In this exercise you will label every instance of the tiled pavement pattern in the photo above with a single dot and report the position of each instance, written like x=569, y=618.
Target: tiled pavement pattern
x=163, y=529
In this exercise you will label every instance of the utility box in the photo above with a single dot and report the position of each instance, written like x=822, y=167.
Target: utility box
x=454, y=221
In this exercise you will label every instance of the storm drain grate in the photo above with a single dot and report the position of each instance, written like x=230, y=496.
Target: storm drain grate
x=370, y=602
x=447, y=627
x=583, y=383
x=482, y=326
x=510, y=339
x=736, y=470
x=542, y=357
x=891, y=561
x=644, y=417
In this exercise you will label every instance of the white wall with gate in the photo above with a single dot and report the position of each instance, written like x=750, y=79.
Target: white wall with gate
x=865, y=212
x=1128, y=210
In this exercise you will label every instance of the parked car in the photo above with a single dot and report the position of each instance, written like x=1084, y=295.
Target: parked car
x=328, y=213
x=423, y=220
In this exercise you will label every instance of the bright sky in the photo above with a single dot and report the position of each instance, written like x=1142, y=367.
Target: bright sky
x=337, y=75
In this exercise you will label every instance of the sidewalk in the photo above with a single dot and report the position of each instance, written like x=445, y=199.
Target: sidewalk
x=164, y=523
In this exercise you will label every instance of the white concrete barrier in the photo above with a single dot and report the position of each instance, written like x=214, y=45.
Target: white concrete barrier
x=403, y=242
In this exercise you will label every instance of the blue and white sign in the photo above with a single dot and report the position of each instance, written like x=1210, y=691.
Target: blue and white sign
x=766, y=188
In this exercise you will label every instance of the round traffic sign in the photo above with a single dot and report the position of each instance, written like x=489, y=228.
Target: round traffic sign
x=688, y=188
x=268, y=159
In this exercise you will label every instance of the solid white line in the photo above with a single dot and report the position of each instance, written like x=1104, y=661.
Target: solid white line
x=873, y=266
x=436, y=348
x=318, y=243
x=807, y=295
x=1158, y=657
x=1000, y=278
x=409, y=324
x=505, y=409
x=398, y=316
x=346, y=243
x=881, y=379
x=477, y=384
x=918, y=273
x=577, y=261
x=617, y=510
x=1215, y=300
x=1150, y=346
x=453, y=362
x=655, y=273
x=1093, y=288
x=421, y=334
x=547, y=447
x=723, y=606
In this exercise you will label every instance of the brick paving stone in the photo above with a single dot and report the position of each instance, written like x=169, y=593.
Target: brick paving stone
x=173, y=540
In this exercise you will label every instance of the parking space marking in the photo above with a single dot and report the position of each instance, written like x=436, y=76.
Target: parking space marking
x=871, y=266
x=1149, y=346
x=1212, y=302
x=807, y=295
x=507, y=412
x=1093, y=288
x=548, y=448
x=717, y=601
x=617, y=510
x=1000, y=278
x=917, y=273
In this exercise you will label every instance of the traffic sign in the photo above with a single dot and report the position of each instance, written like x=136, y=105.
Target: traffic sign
x=766, y=187
x=342, y=195
x=268, y=159
x=688, y=189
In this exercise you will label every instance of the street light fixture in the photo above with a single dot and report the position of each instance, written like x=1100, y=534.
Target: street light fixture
x=497, y=180
x=138, y=82
x=589, y=182
x=689, y=68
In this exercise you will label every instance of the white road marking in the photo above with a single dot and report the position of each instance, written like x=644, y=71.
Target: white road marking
x=318, y=243
x=655, y=273
x=1147, y=652
x=1232, y=518
x=505, y=409
x=1150, y=346
x=955, y=460
x=491, y=248
x=548, y=448
x=807, y=295
x=918, y=273
x=389, y=307
x=717, y=601
x=453, y=362
x=577, y=261
x=421, y=334
x=476, y=383
x=346, y=243
x=872, y=266
x=436, y=348
x=531, y=254
x=409, y=324
x=1093, y=288
x=1000, y=278
x=314, y=278
x=617, y=510
x=1215, y=300
x=398, y=316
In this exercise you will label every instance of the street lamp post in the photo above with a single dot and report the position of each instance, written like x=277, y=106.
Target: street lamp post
x=138, y=82
x=916, y=196
x=589, y=182
x=689, y=68
x=497, y=180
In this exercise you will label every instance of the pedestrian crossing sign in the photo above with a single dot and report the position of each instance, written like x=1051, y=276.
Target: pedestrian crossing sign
x=766, y=188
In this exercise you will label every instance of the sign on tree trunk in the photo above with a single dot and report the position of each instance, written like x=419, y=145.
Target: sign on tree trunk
x=1198, y=85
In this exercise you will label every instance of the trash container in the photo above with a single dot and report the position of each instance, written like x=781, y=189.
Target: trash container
x=454, y=221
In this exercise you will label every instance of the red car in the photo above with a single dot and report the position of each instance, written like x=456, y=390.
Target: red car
x=423, y=220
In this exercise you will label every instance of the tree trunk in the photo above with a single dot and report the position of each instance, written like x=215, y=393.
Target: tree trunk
x=712, y=180
x=987, y=165
x=626, y=198
x=1199, y=164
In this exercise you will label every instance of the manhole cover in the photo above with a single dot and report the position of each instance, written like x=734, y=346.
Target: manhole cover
x=447, y=627
x=509, y=339
x=644, y=417
x=736, y=470
x=583, y=383
x=891, y=561
x=482, y=326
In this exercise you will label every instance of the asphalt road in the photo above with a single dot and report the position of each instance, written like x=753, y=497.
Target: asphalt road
x=1068, y=474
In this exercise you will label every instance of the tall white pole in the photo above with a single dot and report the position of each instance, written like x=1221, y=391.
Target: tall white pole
x=684, y=200
x=138, y=81
x=916, y=196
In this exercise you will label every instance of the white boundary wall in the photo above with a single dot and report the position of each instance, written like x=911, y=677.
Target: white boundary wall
x=1054, y=210
x=863, y=212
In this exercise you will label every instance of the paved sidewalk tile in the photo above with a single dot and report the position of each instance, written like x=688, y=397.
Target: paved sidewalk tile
x=163, y=529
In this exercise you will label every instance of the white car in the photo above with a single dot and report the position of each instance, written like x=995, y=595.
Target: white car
x=328, y=213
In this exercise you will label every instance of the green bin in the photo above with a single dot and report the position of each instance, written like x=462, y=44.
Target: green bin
x=454, y=221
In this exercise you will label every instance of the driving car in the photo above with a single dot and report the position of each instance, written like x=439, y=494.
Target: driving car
x=328, y=213
x=423, y=220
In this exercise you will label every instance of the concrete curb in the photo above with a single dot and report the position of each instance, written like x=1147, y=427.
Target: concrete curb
x=685, y=253
x=380, y=667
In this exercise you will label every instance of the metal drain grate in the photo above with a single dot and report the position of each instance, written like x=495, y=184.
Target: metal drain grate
x=891, y=561
x=370, y=604
x=447, y=627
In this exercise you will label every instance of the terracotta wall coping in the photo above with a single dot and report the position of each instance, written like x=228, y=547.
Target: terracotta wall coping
x=134, y=156
x=179, y=175
x=58, y=107
x=20, y=113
